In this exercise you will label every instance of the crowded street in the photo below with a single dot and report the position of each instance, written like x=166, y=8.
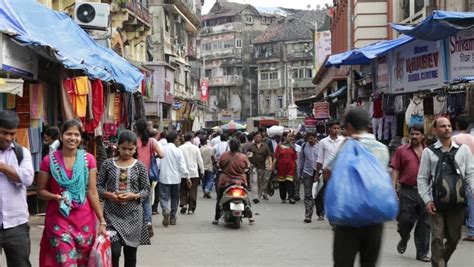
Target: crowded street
x=278, y=238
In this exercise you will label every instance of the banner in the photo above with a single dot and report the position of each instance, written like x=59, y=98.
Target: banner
x=383, y=80
x=461, y=54
x=321, y=110
x=204, y=90
x=322, y=46
x=416, y=66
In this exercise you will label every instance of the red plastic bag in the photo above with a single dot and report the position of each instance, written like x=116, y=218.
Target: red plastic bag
x=101, y=253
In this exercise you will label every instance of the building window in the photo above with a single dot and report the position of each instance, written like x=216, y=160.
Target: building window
x=249, y=19
x=228, y=43
x=273, y=75
x=207, y=46
x=228, y=71
x=267, y=102
x=238, y=43
x=208, y=73
x=309, y=73
x=264, y=76
x=280, y=101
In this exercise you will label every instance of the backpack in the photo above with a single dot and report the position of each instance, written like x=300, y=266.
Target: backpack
x=18, y=149
x=448, y=183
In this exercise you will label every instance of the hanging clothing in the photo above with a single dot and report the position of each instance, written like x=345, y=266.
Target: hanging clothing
x=10, y=101
x=67, y=99
x=22, y=137
x=36, y=146
x=414, y=108
x=389, y=104
x=117, y=107
x=36, y=98
x=377, y=127
x=82, y=90
x=456, y=104
x=389, y=127
x=110, y=106
x=139, y=106
x=439, y=104
x=378, y=107
x=428, y=108
x=97, y=105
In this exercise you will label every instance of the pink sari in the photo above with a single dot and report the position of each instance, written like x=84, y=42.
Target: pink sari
x=67, y=241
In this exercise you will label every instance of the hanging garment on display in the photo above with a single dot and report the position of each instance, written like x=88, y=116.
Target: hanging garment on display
x=139, y=106
x=428, y=108
x=377, y=124
x=389, y=127
x=97, y=106
x=439, y=104
x=90, y=101
x=36, y=100
x=1, y=101
x=428, y=124
x=117, y=107
x=398, y=104
x=10, y=101
x=82, y=90
x=414, y=108
x=389, y=105
x=456, y=104
x=378, y=107
x=110, y=106
x=36, y=146
x=67, y=99
x=22, y=137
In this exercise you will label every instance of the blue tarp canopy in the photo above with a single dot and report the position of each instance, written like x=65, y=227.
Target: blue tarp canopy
x=365, y=54
x=36, y=26
x=440, y=25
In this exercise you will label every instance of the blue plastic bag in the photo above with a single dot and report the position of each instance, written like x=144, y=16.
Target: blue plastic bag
x=359, y=192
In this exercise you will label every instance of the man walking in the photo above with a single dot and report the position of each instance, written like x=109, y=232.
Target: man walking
x=367, y=240
x=207, y=153
x=463, y=138
x=16, y=173
x=195, y=166
x=307, y=160
x=172, y=169
x=261, y=159
x=445, y=166
x=405, y=164
x=328, y=147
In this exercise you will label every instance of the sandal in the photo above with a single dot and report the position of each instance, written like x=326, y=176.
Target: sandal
x=469, y=238
x=251, y=221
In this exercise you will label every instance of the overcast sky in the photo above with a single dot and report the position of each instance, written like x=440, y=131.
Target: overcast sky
x=297, y=4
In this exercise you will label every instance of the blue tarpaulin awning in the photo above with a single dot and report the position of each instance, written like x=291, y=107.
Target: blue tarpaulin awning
x=34, y=25
x=365, y=54
x=338, y=92
x=441, y=24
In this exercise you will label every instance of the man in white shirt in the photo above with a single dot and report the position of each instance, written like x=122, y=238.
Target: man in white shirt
x=172, y=169
x=221, y=147
x=328, y=148
x=195, y=166
x=216, y=139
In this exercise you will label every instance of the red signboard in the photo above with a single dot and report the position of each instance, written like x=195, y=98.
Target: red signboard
x=204, y=90
x=168, y=96
x=321, y=110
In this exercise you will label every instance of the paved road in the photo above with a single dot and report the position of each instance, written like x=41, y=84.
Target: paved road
x=279, y=238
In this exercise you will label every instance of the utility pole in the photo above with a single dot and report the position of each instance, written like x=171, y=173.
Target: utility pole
x=349, y=47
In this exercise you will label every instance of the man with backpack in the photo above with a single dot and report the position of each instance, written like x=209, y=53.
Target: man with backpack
x=446, y=171
x=16, y=173
x=307, y=160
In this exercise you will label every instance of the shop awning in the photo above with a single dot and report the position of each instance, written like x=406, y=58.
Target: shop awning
x=440, y=25
x=36, y=26
x=365, y=54
x=338, y=92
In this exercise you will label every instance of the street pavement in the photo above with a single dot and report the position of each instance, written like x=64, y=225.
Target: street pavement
x=278, y=238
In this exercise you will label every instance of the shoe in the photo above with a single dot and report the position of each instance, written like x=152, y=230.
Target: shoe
x=283, y=202
x=423, y=258
x=173, y=222
x=251, y=221
x=215, y=222
x=191, y=212
x=166, y=219
x=183, y=210
x=155, y=213
x=208, y=195
x=307, y=220
x=292, y=201
x=320, y=218
x=265, y=197
x=150, y=230
x=255, y=201
x=297, y=198
x=469, y=238
x=402, y=246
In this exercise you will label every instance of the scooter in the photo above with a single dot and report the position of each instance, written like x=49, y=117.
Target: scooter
x=235, y=204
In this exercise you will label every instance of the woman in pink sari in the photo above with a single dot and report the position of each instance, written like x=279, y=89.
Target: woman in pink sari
x=68, y=181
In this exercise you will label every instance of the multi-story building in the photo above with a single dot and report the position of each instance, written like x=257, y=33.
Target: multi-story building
x=226, y=37
x=174, y=59
x=284, y=57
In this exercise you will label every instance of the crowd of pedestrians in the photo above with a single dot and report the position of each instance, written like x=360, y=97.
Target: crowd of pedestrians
x=72, y=185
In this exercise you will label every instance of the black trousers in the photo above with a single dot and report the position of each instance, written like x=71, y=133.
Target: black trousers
x=16, y=244
x=320, y=201
x=220, y=192
x=130, y=254
x=286, y=188
x=412, y=211
x=348, y=241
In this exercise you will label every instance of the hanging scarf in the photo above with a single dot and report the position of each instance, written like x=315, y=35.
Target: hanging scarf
x=77, y=185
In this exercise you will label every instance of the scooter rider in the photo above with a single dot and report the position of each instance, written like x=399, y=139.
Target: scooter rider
x=233, y=165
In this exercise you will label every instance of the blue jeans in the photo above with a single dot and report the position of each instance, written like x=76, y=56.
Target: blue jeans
x=169, y=192
x=208, y=181
x=147, y=210
x=470, y=216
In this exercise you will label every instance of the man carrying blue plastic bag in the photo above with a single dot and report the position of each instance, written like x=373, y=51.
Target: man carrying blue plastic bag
x=359, y=195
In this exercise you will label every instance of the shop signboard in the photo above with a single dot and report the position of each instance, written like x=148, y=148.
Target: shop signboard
x=383, y=80
x=18, y=59
x=461, y=54
x=321, y=110
x=204, y=90
x=416, y=66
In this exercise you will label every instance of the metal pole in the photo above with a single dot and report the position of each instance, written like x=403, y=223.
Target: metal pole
x=250, y=82
x=349, y=46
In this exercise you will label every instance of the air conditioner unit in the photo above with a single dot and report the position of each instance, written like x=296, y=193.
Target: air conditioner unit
x=91, y=15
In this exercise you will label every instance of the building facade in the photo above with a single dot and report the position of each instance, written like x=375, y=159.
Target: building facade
x=226, y=38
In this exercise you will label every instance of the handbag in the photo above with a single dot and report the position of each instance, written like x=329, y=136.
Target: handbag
x=154, y=172
x=101, y=253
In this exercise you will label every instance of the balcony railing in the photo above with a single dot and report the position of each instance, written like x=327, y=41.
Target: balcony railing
x=231, y=52
x=269, y=84
x=227, y=27
x=299, y=55
x=226, y=80
x=136, y=7
x=301, y=83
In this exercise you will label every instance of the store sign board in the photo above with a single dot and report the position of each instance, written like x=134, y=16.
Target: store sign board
x=321, y=110
x=383, y=79
x=204, y=90
x=416, y=66
x=461, y=54
x=18, y=59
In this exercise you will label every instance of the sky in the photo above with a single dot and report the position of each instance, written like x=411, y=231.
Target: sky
x=296, y=4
